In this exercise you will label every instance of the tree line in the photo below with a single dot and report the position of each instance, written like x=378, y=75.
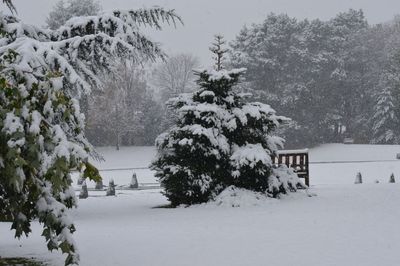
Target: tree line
x=336, y=79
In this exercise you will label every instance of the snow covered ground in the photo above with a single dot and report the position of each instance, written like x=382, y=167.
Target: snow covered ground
x=345, y=224
x=330, y=164
x=339, y=163
x=117, y=165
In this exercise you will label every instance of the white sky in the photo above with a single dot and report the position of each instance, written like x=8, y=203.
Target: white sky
x=204, y=18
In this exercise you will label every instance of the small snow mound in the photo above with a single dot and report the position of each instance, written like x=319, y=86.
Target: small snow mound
x=239, y=197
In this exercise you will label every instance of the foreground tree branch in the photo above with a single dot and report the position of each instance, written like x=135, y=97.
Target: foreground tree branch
x=42, y=75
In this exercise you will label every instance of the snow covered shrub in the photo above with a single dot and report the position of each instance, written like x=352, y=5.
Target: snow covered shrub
x=283, y=180
x=220, y=140
x=239, y=197
x=42, y=75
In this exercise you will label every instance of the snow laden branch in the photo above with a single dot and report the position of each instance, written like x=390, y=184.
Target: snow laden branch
x=84, y=46
x=43, y=74
x=10, y=5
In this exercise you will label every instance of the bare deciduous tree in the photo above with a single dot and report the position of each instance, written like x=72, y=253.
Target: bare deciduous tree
x=175, y=75
x=117, y=108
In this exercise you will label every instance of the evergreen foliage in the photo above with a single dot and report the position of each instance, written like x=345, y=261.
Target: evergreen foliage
x=42, y=75
x=219, y=140
x=386, y=116
x=385, y=121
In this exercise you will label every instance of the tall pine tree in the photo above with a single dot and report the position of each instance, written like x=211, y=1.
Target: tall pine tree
x=219, y=140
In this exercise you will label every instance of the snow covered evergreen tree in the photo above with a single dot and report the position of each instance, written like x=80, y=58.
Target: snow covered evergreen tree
x=385, y=119
x=42, y=75
x=219, y=141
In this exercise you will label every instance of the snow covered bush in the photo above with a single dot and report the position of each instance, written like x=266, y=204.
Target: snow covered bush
x=233, y=197
x=219, y=140
x=42, y=75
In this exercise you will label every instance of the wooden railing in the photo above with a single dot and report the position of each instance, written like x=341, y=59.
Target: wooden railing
x=297, y=160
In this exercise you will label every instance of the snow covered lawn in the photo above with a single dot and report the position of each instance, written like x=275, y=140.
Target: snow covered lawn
x=378, y=162
x=345, y=224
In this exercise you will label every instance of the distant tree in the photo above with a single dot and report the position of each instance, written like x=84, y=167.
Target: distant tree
x=153, y=123
x=385, y=122
x=348, y=78
x=65, y=10
x=175, y=75
x=111, y=108
x=124, y=112
x=315, y=72
x=386, y=115
x=285, y=60
x=172, y=77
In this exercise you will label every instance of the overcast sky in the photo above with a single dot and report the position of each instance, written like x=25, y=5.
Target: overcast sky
x=204, y=18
